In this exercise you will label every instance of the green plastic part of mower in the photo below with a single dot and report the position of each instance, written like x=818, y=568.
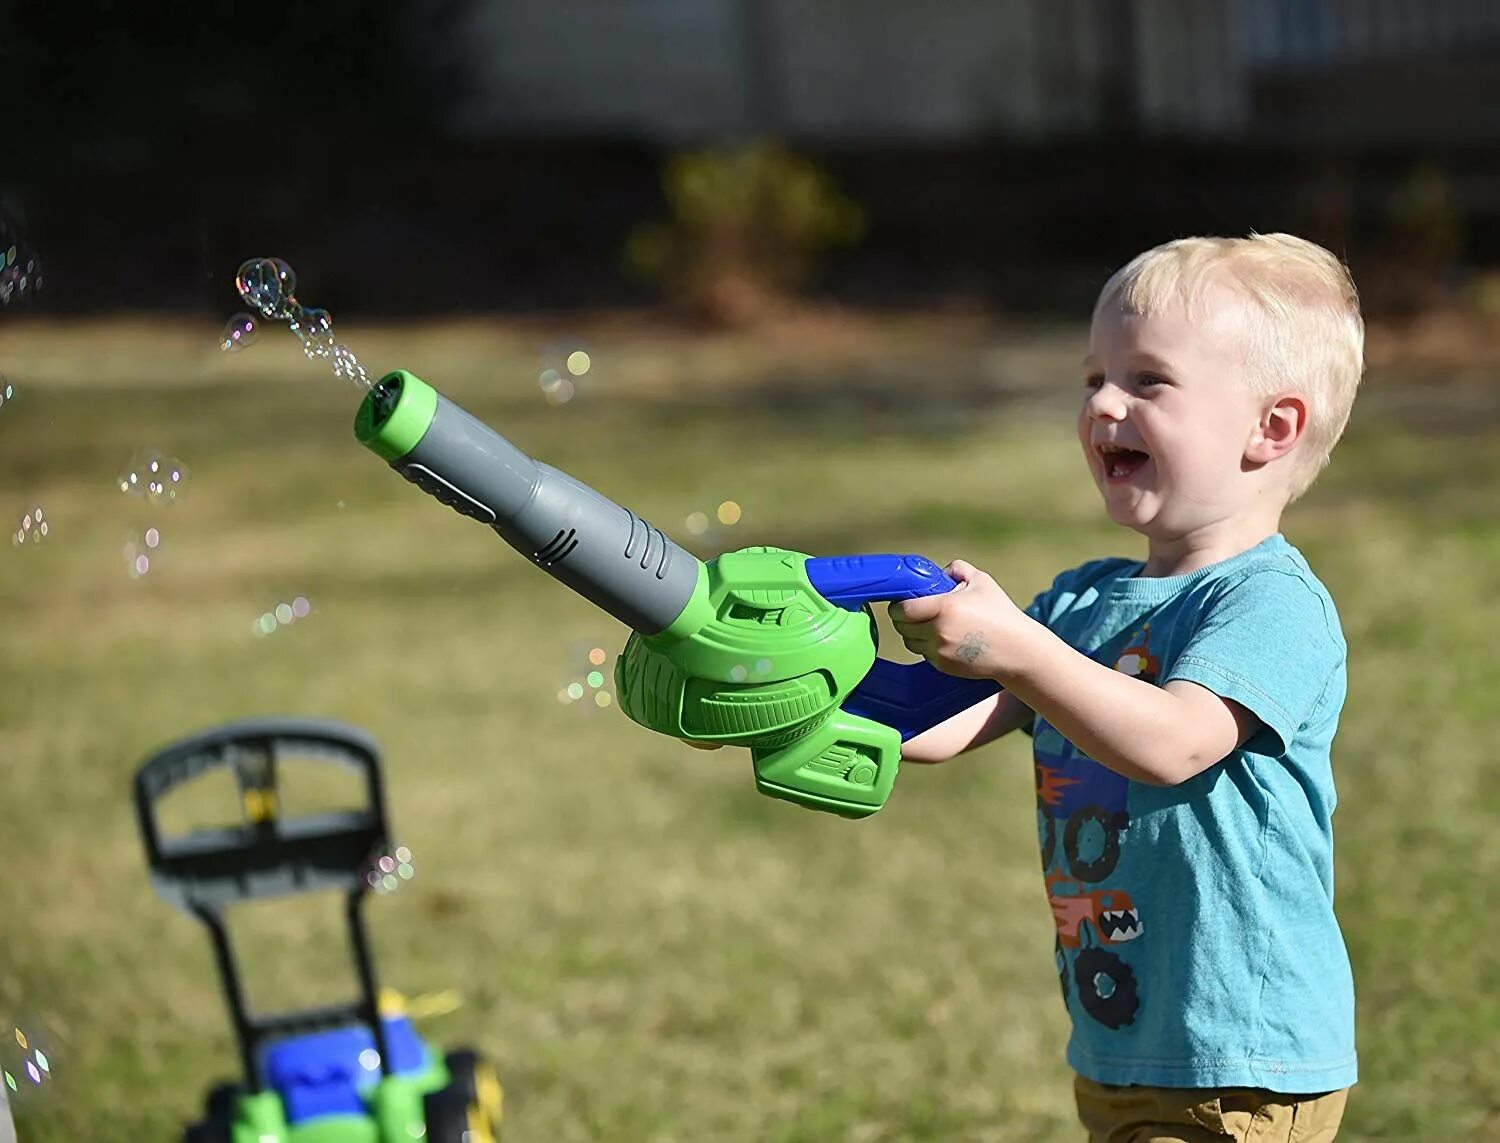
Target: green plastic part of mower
x=395, y=1113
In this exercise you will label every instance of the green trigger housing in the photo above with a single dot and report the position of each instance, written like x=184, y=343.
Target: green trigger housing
x=767, y=668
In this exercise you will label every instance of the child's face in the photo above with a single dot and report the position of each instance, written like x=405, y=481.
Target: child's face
x=1173, y=391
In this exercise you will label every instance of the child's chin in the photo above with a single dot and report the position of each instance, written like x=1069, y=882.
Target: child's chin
x=1128, y=514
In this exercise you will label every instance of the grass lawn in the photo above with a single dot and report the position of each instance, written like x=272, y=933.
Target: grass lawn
x=649, y=949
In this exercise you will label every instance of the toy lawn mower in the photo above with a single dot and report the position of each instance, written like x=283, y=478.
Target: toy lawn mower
x=351, y=1073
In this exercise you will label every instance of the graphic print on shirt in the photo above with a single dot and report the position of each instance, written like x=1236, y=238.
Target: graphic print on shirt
x=1137, y=659
x=1082, y=815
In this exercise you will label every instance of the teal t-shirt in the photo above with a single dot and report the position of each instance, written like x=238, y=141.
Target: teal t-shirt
x=1196, y=938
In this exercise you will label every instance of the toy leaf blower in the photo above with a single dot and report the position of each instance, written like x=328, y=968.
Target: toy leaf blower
x=763, y=648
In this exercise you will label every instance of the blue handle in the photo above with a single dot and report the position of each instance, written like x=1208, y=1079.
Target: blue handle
x=853, y=581
x=912, y=697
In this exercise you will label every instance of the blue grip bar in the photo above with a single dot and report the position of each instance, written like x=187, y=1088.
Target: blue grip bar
x=852, y=581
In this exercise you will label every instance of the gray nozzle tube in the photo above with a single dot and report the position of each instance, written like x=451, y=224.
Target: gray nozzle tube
x=604, y=552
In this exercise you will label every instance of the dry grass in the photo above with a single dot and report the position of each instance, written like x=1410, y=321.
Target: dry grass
x=650, y=950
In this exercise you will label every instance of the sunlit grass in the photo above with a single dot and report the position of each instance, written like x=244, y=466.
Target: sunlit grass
x=649, y=949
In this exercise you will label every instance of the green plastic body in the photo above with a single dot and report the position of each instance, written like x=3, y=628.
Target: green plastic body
x=395, y=1114
x=754, y=657
x=763, y=661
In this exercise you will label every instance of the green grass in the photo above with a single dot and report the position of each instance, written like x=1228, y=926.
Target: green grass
x=649, y=949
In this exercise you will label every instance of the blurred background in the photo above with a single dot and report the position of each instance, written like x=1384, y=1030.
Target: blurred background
x=808, y=274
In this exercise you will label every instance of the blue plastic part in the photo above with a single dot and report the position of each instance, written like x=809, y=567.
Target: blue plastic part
x=323, y=1074
x=913, y=697
x=851, y=582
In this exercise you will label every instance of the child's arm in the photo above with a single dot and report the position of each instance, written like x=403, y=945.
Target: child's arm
x=983, y=722
x=1157, y=735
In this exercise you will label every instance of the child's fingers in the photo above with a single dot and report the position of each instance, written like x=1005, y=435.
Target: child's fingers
x=965, y=572
x=918, y=610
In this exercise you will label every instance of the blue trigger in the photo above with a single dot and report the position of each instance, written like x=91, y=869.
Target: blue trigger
x=913, y=697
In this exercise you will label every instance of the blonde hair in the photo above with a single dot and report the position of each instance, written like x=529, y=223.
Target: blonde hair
x=1305, y=331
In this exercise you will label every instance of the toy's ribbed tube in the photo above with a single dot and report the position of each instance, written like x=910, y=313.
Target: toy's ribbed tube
x=606, y=553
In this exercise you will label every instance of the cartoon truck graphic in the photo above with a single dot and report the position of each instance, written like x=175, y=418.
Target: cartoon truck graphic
x=1110, y=912
x=1105, y=983
x=1081, y=806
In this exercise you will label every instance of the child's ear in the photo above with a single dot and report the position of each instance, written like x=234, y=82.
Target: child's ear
x=1281, y=423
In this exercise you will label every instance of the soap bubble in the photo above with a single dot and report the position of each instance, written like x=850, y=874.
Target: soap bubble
x=587, y=680
x=20, y=269
x=727, y=514
x=311, y=322
x=347, y=366
x=33, y=527
x=281, y=615
x=240, y=332
x=142, y=550
x=557, y=388
x=388, y=868
x=7, y=392
x=154, y=476
x=19, y=282
x=269, y=286
x=28, y=1061
x=314, y=328
x=563, y=364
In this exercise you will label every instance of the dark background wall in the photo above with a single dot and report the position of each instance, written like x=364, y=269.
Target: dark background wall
x=431, y=155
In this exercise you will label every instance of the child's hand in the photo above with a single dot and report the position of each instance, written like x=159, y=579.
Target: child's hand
x=964, y=632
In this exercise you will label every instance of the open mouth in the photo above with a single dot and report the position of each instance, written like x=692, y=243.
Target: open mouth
x=1121, y=463
x=1120, y=924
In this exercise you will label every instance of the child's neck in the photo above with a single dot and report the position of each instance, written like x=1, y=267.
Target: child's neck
x=1180, y=555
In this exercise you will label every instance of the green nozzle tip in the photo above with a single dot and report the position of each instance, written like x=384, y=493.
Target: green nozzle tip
x=395, y=415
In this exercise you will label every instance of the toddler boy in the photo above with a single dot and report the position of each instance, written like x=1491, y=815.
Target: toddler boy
x=1182, y=708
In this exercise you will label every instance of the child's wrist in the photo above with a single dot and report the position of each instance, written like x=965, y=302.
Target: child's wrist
x=1020, y=654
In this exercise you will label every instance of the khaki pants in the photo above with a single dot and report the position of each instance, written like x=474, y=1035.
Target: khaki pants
x=1205, y=1115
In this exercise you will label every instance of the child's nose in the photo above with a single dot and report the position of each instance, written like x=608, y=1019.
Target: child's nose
x=1105, y=404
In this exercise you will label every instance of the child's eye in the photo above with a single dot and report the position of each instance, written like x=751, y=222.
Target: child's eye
x=1149, y=380
x=1094, y=380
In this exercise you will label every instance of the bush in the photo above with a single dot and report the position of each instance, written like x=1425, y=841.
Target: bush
x=747, y=227
x=1415, y=260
